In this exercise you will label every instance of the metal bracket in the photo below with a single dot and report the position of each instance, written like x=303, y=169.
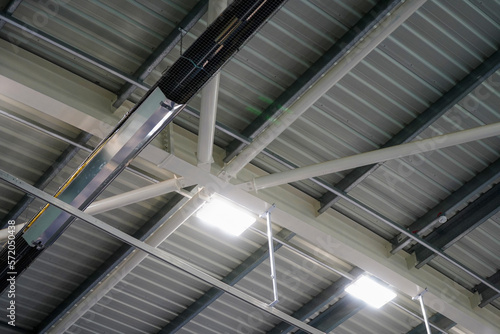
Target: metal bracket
x=420, y=295
x=168, y=138
x=167, y=104
x=271, y=208
x=247, y=186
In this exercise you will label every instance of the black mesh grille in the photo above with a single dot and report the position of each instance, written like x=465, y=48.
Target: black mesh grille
x=184, y=79
x=214, y=47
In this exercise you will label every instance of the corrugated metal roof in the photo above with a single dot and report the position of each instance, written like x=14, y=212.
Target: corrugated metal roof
x=382, y=94
x=154, y=293
x=428, y=55
x=80, y=250
x=478, y=250
x=121, y=34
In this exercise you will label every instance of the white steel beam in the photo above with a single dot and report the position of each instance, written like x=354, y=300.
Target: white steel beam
x=368, y=158
x=331, y=231
x=209, y=100
x=135, y=196
x=149, y=248
x=323, y=85
x=342, y=237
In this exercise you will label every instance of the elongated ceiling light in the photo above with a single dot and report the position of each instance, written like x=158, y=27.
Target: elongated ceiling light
x=371, y=292
x=225, y=215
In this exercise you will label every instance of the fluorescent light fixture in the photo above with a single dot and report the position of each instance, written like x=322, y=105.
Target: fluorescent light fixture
x=225, y=215
x=371, y=292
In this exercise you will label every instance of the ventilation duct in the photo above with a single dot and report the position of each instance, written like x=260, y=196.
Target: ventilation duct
x=157, y=109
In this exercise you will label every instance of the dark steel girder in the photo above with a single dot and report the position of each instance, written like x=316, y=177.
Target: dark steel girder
x=32, y=31
x=487, y=294
x=336, y=314
x=450, y=204
x=438, y=320
x=419, y=124
x=324, y=298
x=232, y=278
x=10, y=9
x=107, y=267
x=162, y=50
x=14, y=329
x=460, y=225
x=47, y=177
x=312, y=74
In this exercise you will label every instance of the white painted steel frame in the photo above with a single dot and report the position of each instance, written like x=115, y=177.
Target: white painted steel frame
x=155, y=252
x=272, y=263
x=368, y=158
x=209, y=101
x=420, y=298
x=323, y=85
x=331, y=231
x=344, y=239
x=134, y=196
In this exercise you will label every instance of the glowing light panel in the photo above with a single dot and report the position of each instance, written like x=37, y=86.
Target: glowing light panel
x=371, y=292
x=225, y=215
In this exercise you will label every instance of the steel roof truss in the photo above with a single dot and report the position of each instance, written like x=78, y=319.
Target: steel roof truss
x=419, y=124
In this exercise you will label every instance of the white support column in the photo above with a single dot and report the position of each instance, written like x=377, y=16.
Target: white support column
x=135, y=196
x=420, y=298
x=323, y=85
x=209, y=99
x=368, y=158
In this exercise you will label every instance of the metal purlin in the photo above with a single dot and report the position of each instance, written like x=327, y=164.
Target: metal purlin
x=174, y=260
x=155, y=252
x=326, y=186
x=201, y=61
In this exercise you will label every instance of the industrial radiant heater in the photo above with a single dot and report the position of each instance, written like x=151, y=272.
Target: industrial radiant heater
x=158, y=108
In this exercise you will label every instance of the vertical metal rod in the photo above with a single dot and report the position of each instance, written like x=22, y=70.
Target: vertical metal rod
x=420, y=298
x=341, y=273
x=426, y=321
x=271, y=256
